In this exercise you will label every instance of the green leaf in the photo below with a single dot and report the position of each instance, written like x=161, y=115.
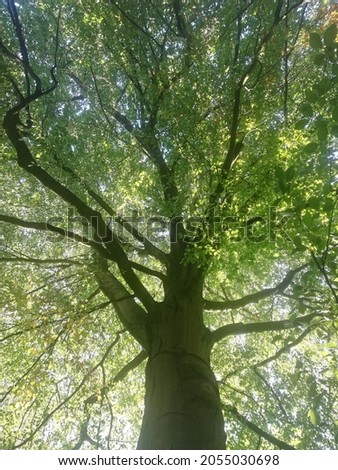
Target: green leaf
x=313, y=416
x=312, y=147
x=334, y=130
x=330, y=35
x=307, y=277
x=297, y=289
x=321, y=101
x=315, y=41
x=308, y=219
x=290, y=173
x=277, y=338
x=335, y=113
x=311, y=95
x=322, y=130
x=297, y=241
x=301, y=124
x=323, y=86
x=327, y=189
x=317, y=241
x=312, y=392
x=319, y=59
x=328, y=205
x=279, y=172
x=306, y=109
x=334, y=102
x=314, y=203
x=330, y=53
x=280, y=176
x=301, y=307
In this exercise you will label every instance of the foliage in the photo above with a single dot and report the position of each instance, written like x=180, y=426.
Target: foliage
x=221, y=116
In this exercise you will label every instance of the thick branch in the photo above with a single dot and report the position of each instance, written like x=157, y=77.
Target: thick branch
x=146, y=270
x=130, y=366
x=23, y=48
x=253, y=298
x=149, y=247
x=103, y=234
x=180, y=20
x=67, y=234
x=47, y=227
x=131, y=315
x=234, y=329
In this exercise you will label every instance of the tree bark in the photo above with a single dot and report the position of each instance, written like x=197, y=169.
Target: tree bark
x=182, y=403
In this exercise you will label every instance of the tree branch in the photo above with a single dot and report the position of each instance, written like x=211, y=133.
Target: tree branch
x=149, y=247
x=131, y=315
x=18, y=259
x=131, y=365
x=148, y=141
x=234, y=329
x=98, y=397
x=326, y=277
x=253, y=427
x=285, y=348
x=253, y=298
x=23, y=48
x=47, y=227
x=133, y=22
x=66, y=400
x=146, y=270
x=47, y=350
x=235, y=144
x=102, y=233
x=65, y=233
x=180, y=20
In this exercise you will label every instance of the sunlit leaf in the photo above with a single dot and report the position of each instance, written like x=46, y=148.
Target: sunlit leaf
x=313, y=416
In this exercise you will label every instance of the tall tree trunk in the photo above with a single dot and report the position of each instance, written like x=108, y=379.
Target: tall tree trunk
x=182, y=404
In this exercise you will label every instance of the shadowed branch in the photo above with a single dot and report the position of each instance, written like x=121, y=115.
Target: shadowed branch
x=234, y=329
x=253, y=298
x=259, y=431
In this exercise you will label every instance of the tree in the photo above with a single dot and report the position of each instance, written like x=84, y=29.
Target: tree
x=170, y=183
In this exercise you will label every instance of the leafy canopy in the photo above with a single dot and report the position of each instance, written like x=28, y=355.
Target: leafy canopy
x=222, y=116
